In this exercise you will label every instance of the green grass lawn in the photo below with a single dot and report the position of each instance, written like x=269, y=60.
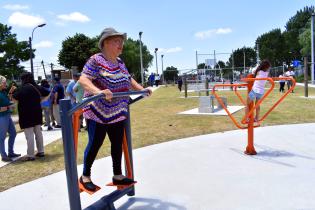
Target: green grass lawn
x=155, y=120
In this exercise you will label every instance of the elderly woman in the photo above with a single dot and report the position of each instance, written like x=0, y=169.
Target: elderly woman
x=7, y=125
x=105, y=73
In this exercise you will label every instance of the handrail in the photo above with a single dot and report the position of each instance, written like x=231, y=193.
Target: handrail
x=224, y=107
x=282, y=97
x=264, y=96
x=115, y=95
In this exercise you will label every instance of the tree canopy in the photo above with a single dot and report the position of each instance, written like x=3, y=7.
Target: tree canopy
x=12, y=53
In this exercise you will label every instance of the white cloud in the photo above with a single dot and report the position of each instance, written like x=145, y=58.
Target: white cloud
x=44, y=44
x=15, y=7
x=209, y=33
x=74, y=16
x=25, y=20
x=170, y=50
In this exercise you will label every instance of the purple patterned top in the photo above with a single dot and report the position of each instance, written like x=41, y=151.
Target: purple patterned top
x=106, y=75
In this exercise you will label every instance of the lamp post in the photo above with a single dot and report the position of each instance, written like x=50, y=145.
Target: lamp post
x=312, y=47
x=141, y=64
x=156, y=63
x=31, y=50
x=163, y=69
x=244, y=59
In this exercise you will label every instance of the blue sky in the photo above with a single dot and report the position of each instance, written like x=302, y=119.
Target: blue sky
x=177, y=28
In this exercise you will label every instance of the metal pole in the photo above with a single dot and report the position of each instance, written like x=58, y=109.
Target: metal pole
x=305, y=77
x=196, y=59
x=233, y=65
x=69, y=153
x=163, y=69
x=156, y=63
x=244, y=59
x=141, y=64
x=312, y=47
x=31, y=55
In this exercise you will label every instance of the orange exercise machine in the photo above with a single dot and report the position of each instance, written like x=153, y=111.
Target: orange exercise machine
x=250, y=149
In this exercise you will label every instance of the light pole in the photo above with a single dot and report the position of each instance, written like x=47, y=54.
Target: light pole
x=31, y=50
x=163, y=69
x=244, y=59
x=156, y=63
x=141, y=64
x=312, y=47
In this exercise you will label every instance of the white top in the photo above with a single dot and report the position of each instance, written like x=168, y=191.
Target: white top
x=259, y=85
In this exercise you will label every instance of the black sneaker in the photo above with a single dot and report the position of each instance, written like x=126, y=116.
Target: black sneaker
x=6, y=159
x=13, y=155
x=88, y=185
x=49, y=128
x=124, y=181
x=40, y=154
x=58, y=126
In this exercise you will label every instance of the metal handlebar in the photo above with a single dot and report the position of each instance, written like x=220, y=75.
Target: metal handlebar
x=101, y=95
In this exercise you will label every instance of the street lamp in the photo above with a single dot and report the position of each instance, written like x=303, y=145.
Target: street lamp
x=163, y=69
x=31, y=50
x=141, y=64
x=156, y=63
x=244, y=58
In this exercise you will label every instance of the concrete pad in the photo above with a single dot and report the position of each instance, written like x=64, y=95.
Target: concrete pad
x=202, y=172
x=195, y=111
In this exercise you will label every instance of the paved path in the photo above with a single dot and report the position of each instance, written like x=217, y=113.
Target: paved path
x=202, y=172
x=20, y=145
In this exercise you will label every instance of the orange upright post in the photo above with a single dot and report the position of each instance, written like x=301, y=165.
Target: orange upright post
x=250, y=149
x=76, y=127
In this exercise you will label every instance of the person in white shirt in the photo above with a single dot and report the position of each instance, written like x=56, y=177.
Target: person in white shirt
x=282, y=83
x=258, y=88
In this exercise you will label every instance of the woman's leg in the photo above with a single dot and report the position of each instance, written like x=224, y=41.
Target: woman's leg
x=39, y=139
x=12, y=135
x=3, y=131
x=116, y=135
x=96, y=135
x=29, y=135
x=257, y=111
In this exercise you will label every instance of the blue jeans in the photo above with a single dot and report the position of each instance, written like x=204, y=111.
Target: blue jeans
x=7, y=126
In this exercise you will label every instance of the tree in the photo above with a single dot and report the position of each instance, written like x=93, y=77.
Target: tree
x=305, y=40
x=76, y=51
x=294, y=27
x=12, y=53
x=271, y=47
x=238, y=56
x=131, y=57
x=171, y=73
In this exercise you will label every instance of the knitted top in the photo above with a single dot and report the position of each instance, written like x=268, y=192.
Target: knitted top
x=106, y=75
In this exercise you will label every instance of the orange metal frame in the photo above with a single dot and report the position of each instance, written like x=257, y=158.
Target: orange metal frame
x=76, y=126
x=250, y=149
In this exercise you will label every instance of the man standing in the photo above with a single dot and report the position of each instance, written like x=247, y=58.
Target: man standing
x=59, y=93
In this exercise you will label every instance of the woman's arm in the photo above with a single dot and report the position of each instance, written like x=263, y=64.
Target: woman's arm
x=90, y=87
x=136, y=86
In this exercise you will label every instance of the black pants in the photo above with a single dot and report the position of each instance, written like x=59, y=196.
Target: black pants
x=282, y=86
x=97, y=133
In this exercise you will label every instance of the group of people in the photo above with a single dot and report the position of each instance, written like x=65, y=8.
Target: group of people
x=104, y=73
x=288, y=73
x=154, y=79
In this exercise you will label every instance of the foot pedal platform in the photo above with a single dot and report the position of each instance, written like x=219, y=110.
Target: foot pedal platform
x=83, y=189
x=120, y=187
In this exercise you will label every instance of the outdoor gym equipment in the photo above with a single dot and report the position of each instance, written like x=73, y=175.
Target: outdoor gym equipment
x=70, y=127
x=250, y=149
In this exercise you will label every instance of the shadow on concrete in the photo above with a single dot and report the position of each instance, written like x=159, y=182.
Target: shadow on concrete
x=149, y=203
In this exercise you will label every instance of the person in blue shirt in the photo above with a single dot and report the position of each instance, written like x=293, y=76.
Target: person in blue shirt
x=58, y=93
